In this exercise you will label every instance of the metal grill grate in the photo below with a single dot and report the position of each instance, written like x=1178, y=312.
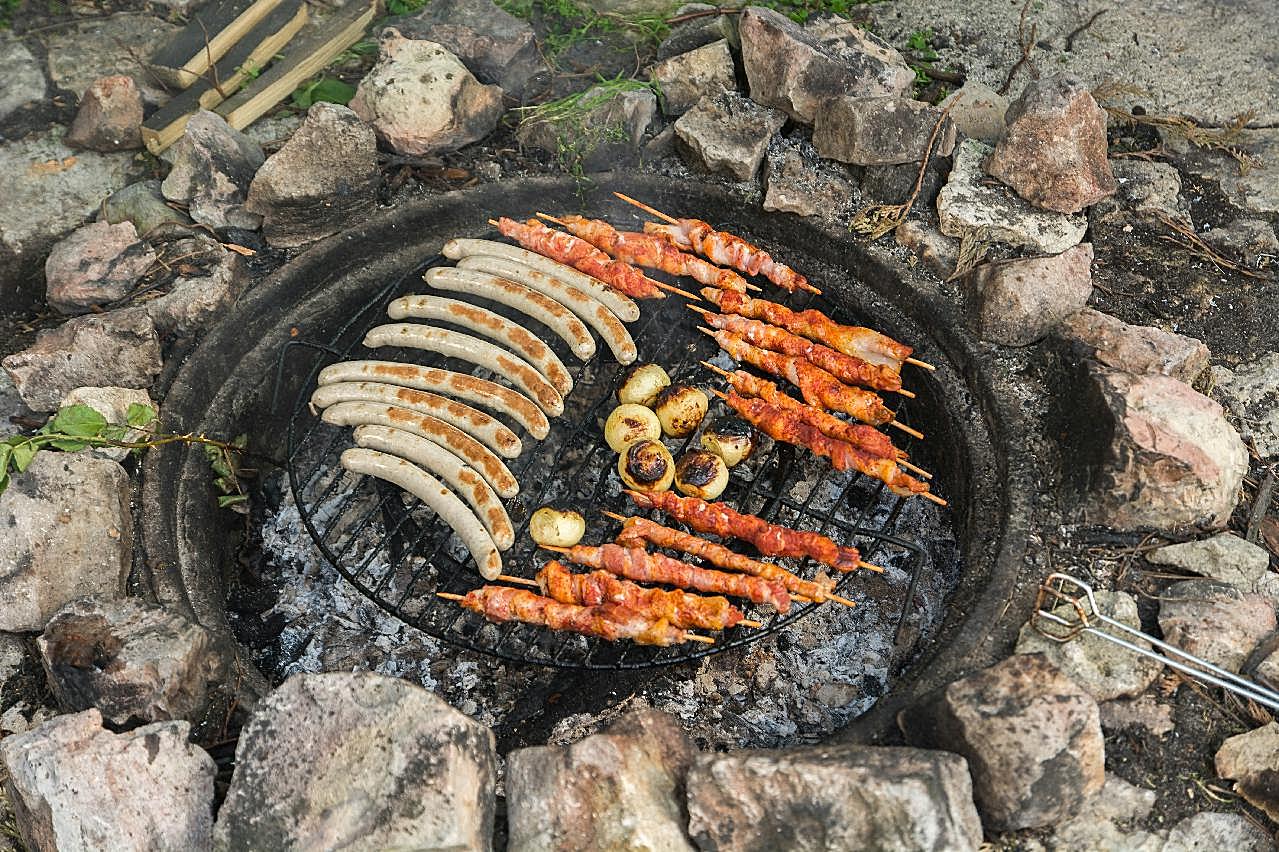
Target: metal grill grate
x=398, y=554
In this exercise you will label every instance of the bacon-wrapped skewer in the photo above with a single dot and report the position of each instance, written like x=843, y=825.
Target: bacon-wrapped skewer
x=581, y=255
x=609, y=621
x=634, y=563
x=768, y=539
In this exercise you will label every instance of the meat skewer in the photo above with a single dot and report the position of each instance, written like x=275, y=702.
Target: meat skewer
x=722, y=247
x=635, y=563
x=609, y=621
x=768, y=539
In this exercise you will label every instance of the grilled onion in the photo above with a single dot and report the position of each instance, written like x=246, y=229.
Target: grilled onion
x=642, y=384
x=731, y=439
x=630, y=423
x=646, y=466
x=556, y=528
x=701, y=473
x=680, y=409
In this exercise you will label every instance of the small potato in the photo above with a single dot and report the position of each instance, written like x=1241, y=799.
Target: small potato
x=556, y=528
x=731, y=439
x=630, y=423
x=646, y=466
x=680, y=408
x=642, y=383
x=701, y=473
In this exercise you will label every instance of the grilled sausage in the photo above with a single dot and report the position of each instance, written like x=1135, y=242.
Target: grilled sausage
x=454, y=344
x=434, y=459
x=451, y=438
x=439, y=499
x=472, y=421
x=619, y=303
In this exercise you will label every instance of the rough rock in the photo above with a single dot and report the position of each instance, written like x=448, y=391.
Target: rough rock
x=75, y=786
x=1053, y=152
x=832, y=798
x=346, y=760
x=880, y=131
x=1141, y=712
x=11, y=404
x=978, y=111
x=1215, y=621
x=605, y=132
x=797, y=180
x=142, y=204
x=1206, y=831
x=97, y=264
x=1252, y=242
x=1252, y=394
x=13, y=653
x=420, y=98
x=1225, y=557
x=212, y=167
x=494, y=45
x=65, y=532
x=1134, y=348
x=1254, y=189
x=110, y=116
x=272, y=131
x=200, y=296
x=894, y=184
x=1105, y=822
x=797, y=69
x=966, y=204
x=1019, y=301
x=105, y=47
x=133, y=661
x=938, y=252
x=697, y=32
x=113, y=404
x=1102, y=668
x=1251, y=759
x=324, y=178
x=1171, y=459
x=728, y=133
x=1032, y=738
x=22, y=73
x=1146, y=189
x=685, y=78
x=103, y=350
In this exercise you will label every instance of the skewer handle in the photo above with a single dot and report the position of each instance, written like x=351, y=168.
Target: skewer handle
x=746, y=622
x=915, y=469
x=694, y=637
x=928, y=495
x=870, y=567
x=906, y=393
x=507, y=578
x=914, y=433
x=649, y=210
x=449, y=596
x=919, y=363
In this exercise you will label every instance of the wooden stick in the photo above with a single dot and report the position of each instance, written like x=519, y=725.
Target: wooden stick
x=554, y=548
x=493, y=222
x=449, y=596
x=668, y=287
x=612, y=515
x=919, y=471
x=869, y=567
x=909, y=431
x=649, y=210
x=509, y=579
x=837, y=599
x=919, y=363
x=693, y=637
x=928, y=495
x=906, y=393
x=746, y=622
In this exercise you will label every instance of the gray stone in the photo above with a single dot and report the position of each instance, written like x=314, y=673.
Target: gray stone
x=212, y=167
x=132, y=661
x=1141, y=712
x=23, y=77
x=1252, y=393
x=97, y=264
x=1171, y=460
x=1209, y=831
x=1146, y=189
x=103, y=47
x=1215, y=621
x=198, y=297
x=13, y=654
x=75, y=786
x=359, y=761
x=1251, y=759
x=1225, y=557
x=323, y=179
x=272, y=131
x=880, y=131
x=977, y=110
x=1254, y=188
x=11, y=404
x=938, y=252
x=420, y=98
x=605, y=132
x=797, y=69
x=1134, y=348
x=966, y=204
x=1018, y=302
x=832, y=799
x=1102, y=668
x=118, y=349
x=110, y=116
x=619, y=789
x=894, y=184
x=142, y=204
x=696, y=32
x=65, y=532
x=1104, y=824
x=494, y=45
x=1252, y=242
x=685, y=78
x=798, y=181
x=113, y=404
x=728, y=134
x=1032, y=738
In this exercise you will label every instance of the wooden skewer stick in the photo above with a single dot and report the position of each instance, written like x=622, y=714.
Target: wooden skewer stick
x=668, y=287
x=521, y=580
x=914, y=433
x=869, y=567
x=747, y=622
x=919, y=363
x=449, y=596
x=905, y=393
x=694, y=637
x=649, y=210
x=837, y=599
x=919, y=471
x=928, y=495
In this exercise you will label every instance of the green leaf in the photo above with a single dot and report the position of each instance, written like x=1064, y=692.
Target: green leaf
x=4, y=481
x=231, y=499
x=333, y=91
x=114, y=433
x=139, y=414
x=79, y=421
x=22, y=455
x=68, y=445
x=5, y=452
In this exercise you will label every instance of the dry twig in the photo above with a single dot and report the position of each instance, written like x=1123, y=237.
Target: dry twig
x=1027, y=47
x=1187, y=239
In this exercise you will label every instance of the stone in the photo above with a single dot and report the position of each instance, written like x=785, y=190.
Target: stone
x=272, y=131
x=1053, y=152
x=938, y=252
x=420, y=98
x=1225, y=557
x=493, y=44
x=75, y=786
x=13, y=653
x=728, y=134
x=880, y=131
x=347, y=760
x=1019, y=301
x=133, y=661
x=1105, y=820
x=1170, y=460
x=797, y=69
x=977, y=111
x=1249, y=753
x=1251, y=391
x=101, y=350
x=104, y=47
x=966, y=204
x=144, y=206
x=212, y=166
x=1142, y=712
x=832, y=798
x=1251, y=242
x=1253, y=189
x=697, y=32
x=216, y=278
x=97, y=264
x=1146, y=189
x=623, y=788
x=22, y=73
x=607, y=130
x=797, y=180
x=1133, y=348
x=65, y=532
x=324, y=178
x=110, y=116
x=113, y=404
x=1102, y=668
x=1206, y=831
x=1031, y=735
x=12, y=408
x=893, y=184
x=1215, y=621
x=685, y=78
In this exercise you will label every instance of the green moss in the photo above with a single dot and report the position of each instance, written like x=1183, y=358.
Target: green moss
x=801, y=10
x=7, y=8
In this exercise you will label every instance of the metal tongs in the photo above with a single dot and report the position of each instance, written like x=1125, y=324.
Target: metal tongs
x=1081, y=599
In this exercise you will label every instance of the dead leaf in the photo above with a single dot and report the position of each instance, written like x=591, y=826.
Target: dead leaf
x=238, y=249
x=1270, y=534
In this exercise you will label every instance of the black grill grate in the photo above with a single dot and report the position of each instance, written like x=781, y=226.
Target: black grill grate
x=395, y=552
